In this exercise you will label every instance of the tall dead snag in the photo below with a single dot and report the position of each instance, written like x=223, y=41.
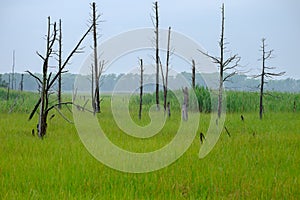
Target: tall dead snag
x=225, y=65
x=42, y=124
x=97, y=71
x=141, y=89
x=193, y=74
x=165, y=82
x=22, y=82
x=266, y=55
x=156, y=31
x=92, y=87
x=165, y=78
x=59, y=65
x=46, y=83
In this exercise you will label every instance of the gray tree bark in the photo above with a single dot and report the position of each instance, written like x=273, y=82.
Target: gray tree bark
x=167, y=71
x=8, y=88
x=262, y=81
x=96, y=68
x=42, y=124
x=193, y=74
x=141, y=89
x=59, y=65
x=157, y=53
x=22, y=82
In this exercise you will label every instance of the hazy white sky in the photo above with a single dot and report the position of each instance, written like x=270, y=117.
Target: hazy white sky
x=23, y=25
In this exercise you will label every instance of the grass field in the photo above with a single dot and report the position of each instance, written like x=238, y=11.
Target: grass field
x=260, y=160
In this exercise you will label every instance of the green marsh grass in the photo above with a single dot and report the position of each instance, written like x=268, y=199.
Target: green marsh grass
x=260, y=160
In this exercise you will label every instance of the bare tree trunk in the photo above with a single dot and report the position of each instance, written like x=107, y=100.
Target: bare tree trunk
x=59, y=65
x=169, y=109
x=225, y=64
x=221, y=66
x=96, y=73
x=193, y=74
x=141, y=89
x=262, y=81
x=163, y=80
x=220, y=98
x=8, y=88
x=42, y=125
x=92, y=88
x=294, y=106
x=157, y=53
x=21, y=82
x=266, y=55
x=167, y=71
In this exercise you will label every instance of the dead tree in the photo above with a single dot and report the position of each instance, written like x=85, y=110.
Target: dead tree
x=97, y=70
x=266, y=55
x=169, y=109
x=193, y=74
x=59, y=79
x=156, y=31
x=97, y=84
x=163, y=82
x=185, y=104
x=92, y=87
x=141, y=88
x=225, y=65
x=42, y=124
x=167, y=70
x=47, y=81
x=165, y=77
x=22, y=82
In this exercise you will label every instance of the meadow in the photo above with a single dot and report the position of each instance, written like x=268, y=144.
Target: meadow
x=259, y=161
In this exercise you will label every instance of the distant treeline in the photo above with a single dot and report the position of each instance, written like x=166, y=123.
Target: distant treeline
x=109, y=81
x=236, y=101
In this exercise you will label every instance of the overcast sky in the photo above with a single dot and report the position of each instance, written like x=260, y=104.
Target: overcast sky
x=23, y=26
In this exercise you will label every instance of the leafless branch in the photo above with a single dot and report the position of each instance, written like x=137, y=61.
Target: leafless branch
x=63, y=116
x=40, y=55
x=275, y=74
x=215, y=59
x=69, y=57
x=162, y=73
x=229, y=76
x=34, y=109
x=34, y=76
x=55, y=105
